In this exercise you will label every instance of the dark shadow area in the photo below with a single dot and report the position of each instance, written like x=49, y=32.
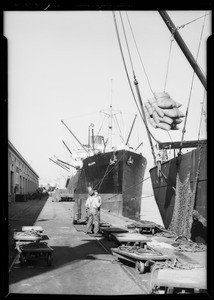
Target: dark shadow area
x=17, y=212
x=62, y=256
x=198, y=232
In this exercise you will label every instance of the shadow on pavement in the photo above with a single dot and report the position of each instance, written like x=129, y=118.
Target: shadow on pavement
x=63, y=257
x=22, y=214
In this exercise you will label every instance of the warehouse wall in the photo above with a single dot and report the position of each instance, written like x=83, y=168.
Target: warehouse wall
x=22, y=179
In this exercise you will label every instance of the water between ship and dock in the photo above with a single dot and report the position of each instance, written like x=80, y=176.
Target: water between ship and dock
x=82, y=264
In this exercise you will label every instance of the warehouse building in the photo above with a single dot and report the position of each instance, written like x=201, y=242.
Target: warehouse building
x=22, y=179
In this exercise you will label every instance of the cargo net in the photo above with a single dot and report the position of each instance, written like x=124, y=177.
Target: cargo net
x=182, y=220
x=163, y=112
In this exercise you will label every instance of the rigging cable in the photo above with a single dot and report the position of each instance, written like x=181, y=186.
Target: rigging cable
x=107, y=172
x=124, y=63
x=202, y=113
x=187, y=110
x=99, y=129
x=182, y=26
x=171, y=40
x=169, y=56
x=115, y=22
x=138, y=93
x=118, y=126
x=130, y=187
x=167, y=71
x=139, y=55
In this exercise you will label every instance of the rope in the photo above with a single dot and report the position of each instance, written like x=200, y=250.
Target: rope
x=130, y=187
x=106, y=173
x=138, y=93
x=175, y=264
x=202, y=109
x=197, y=174
x=100, y=128
x=124, y=63
x=187, y=110
x=127, y=44
x=101, y=181
x=171, y=40
x=182, y=26
x=167, y=68
x=139, y=54
x=116, y=122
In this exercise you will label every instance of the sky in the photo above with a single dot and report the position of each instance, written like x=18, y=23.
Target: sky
x=67, y=65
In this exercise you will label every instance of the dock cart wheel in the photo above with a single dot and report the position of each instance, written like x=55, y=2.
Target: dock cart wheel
x=140, y=267
x=22, y=258
x=49, y=259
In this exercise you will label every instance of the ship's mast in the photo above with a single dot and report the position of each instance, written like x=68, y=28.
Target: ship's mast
x=110, y=127
x=183, y=47
x=110, y=119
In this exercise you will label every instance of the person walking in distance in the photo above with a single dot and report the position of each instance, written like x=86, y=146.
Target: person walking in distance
x=93, y=204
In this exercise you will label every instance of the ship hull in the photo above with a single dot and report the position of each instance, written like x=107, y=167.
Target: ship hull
x=119, y=184
x=164, y=190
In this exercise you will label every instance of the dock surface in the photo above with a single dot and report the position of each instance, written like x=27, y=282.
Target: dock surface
x=82, y=264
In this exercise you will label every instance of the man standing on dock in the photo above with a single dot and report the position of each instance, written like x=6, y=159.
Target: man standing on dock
x=93, y=204
x=99, y=200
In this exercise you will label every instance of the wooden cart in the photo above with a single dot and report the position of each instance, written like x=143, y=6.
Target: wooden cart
x=143, y=258
x=131, y=238
x=178, y=281
x=20, y=237
x=145, y=228
x=35, y=250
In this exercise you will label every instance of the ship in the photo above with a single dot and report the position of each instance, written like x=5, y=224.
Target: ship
x=115, y=172
x=180, y=183
x=118, y=178
x=180, y=189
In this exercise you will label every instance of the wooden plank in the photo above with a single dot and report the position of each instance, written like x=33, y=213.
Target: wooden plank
x=114, y=230
x=21, y=236
x=36, y=228
x=35, y=250
x=185, y=259
x=145, y=225
x=194, y=278
x=131, y=237
x=147, y=255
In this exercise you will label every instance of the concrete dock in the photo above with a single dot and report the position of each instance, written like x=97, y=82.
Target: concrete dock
x=82, y=264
